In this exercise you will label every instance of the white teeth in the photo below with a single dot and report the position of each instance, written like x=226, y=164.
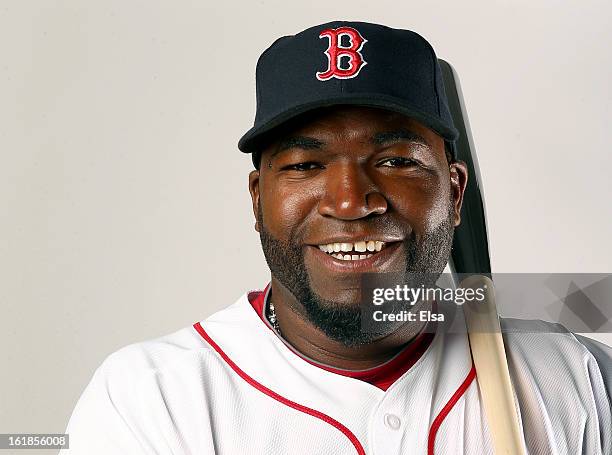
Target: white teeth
x=346, y=247
x=359, y=247
x=351, y=257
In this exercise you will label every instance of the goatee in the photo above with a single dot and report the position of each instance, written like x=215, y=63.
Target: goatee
x=426, y=255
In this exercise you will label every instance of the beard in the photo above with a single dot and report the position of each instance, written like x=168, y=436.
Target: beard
x=426, y=258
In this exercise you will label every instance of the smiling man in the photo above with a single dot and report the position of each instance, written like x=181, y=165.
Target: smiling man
x=355, y=175
x=343, y=191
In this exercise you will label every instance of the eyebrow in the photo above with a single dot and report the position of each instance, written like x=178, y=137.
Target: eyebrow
x=302, y=142
x=398, y=136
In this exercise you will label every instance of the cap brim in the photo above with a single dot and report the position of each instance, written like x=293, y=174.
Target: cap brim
x=247, y=143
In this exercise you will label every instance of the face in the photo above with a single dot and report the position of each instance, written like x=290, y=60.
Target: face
x=347, y=191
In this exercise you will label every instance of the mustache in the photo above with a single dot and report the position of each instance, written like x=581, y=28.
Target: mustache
x=376, y=225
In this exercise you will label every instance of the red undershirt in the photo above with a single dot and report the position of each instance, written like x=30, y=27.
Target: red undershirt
x=381, y=376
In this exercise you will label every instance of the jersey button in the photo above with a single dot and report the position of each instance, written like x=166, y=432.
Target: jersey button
x=392, y=421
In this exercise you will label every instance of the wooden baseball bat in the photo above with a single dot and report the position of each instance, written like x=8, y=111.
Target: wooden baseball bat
x=492, y=372
x=470, y=255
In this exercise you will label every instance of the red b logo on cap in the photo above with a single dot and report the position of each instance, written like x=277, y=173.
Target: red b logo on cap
x=337, y=55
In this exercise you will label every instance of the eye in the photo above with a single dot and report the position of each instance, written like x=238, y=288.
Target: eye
x=398, y=162
x=302, y=167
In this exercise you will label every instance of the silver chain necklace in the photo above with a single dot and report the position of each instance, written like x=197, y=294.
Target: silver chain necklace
x=271, y=315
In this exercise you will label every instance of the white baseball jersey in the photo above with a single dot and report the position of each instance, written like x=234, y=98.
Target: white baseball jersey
x=230, y=386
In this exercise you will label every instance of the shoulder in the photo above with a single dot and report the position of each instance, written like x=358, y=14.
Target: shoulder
x=562, y=380
x=536, y=345
x=178, y=352
x=544, y=339
x=136, y=373
x=137, y=359
x=139, y=389
x=169, y=352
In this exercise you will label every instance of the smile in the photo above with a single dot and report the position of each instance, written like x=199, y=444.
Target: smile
x=353, y=251
x=369, y=255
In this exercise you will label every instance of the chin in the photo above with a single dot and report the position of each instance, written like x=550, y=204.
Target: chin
x=338, y=297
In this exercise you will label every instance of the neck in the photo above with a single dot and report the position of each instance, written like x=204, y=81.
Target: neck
x=312, y=342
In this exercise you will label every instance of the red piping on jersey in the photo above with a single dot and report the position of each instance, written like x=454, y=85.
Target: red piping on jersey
x=382, y=376
x=435, y=426
x=292, y=404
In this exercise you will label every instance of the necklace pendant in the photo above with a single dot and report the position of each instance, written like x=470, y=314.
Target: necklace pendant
x=271, y=314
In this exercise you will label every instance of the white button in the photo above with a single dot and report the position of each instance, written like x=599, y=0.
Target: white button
x=392, y=421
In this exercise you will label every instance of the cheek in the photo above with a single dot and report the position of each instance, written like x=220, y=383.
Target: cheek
x=424, y=203
x=286, y=209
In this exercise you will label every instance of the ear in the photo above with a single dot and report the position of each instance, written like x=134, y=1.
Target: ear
x=458, y=181
x=254, y=190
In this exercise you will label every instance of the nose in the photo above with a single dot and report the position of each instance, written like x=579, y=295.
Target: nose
x=350, y=194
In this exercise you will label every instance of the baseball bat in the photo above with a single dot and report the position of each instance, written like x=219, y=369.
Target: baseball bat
x=470, y=256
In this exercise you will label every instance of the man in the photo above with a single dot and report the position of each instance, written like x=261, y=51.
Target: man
x=355, y=175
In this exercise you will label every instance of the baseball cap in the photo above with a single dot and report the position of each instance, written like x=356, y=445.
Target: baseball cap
x=348, y=63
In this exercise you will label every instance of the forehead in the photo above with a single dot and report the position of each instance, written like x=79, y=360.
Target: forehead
x=350, y=123
x=351, y=118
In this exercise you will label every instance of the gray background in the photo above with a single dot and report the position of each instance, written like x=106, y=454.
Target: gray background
x=124, y=203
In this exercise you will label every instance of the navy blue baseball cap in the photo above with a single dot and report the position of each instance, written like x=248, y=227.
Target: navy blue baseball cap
x=348, y=63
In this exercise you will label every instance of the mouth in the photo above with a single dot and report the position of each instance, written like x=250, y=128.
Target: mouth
x=357, y=251
x=361, y=256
